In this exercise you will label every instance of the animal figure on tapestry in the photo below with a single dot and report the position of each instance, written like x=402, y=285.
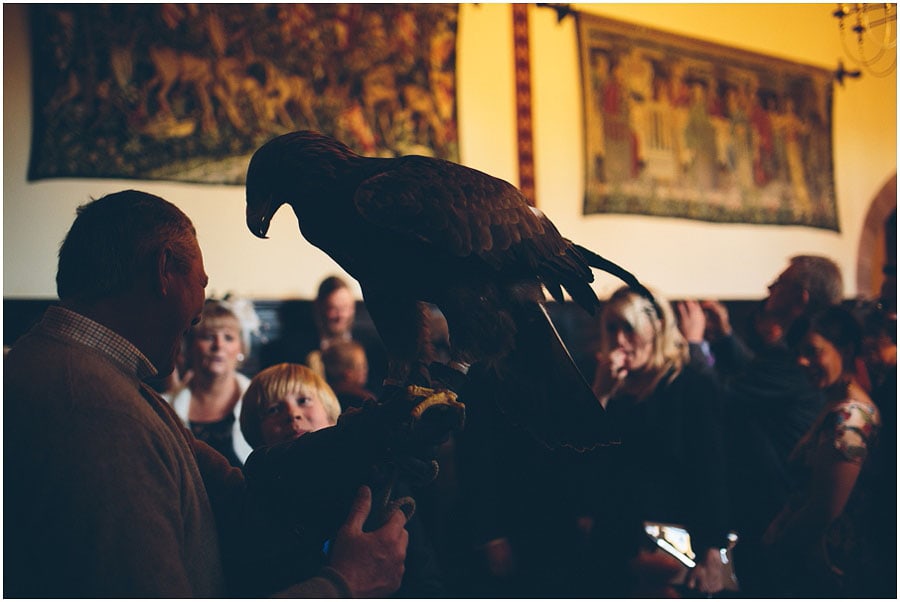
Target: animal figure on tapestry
x=173, y=68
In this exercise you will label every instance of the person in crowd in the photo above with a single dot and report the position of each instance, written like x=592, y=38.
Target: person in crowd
x=108, y=494
x=879, y=352
x=809, y=282
x=821, y=543
x=334, y=312
x=706, y=325
x=347, y=370
x=209, y=398
x=879, y=355
x=879, y=343
x=333, y=320
x=287, y=401
x=769, y=403
x=508, y=527
x=670, y=464
x=693, y=325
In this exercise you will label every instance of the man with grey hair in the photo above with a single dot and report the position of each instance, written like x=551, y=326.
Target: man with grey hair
x=769, y=402
x=107, y=494
x=810, y=283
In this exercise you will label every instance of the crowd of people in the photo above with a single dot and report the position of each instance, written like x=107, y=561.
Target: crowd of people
x=753, y=460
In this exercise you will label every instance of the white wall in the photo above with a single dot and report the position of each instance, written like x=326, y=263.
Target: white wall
x=680, y=257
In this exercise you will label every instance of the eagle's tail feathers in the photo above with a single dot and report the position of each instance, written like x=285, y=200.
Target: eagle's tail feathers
x=555, y=291
x=602, y=263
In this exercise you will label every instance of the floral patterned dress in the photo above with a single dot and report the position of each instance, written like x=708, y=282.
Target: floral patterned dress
x=849, y=427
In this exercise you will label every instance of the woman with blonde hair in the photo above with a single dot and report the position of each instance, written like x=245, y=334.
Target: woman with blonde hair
x=208, y=399
x=640, y=340
x=669, y=466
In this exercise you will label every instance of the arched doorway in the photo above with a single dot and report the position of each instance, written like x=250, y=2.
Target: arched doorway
x=875, y=249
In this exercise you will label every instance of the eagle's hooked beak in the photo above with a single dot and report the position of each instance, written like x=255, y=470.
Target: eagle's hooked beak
x=259, y=217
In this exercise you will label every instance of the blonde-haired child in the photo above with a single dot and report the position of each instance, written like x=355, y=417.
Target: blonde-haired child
x=284, y=402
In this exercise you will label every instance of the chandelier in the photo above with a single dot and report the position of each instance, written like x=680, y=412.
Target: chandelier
x=869, y=37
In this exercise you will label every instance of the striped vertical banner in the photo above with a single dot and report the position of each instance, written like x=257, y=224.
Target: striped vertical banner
x=523, y=101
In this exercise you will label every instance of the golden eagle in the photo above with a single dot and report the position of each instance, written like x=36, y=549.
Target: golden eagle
x=415, y=230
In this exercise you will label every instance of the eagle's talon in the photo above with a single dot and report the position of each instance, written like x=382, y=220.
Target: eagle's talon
x=433, y=415
x=434, y=398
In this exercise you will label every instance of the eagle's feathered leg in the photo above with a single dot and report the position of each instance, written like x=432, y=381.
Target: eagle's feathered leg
x=421, y=413
x=480, y=324
x=403, y=326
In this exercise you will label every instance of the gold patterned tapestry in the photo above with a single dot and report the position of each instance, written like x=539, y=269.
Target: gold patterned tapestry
x=677, y=127
x=187, y=92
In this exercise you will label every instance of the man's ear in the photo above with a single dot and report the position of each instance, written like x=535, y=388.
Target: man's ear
x=804, y=298
x=165, y=268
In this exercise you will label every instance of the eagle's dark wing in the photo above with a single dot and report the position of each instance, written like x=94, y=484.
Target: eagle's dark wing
x=458, y=209
x=470, y=214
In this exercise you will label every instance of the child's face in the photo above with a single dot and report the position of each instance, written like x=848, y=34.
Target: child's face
x=291, y=416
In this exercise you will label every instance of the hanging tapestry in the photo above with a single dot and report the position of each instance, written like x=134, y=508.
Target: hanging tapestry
x=187, y=92
x=677, y=127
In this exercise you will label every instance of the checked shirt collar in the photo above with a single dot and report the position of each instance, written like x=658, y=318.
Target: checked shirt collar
x=79, y=329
